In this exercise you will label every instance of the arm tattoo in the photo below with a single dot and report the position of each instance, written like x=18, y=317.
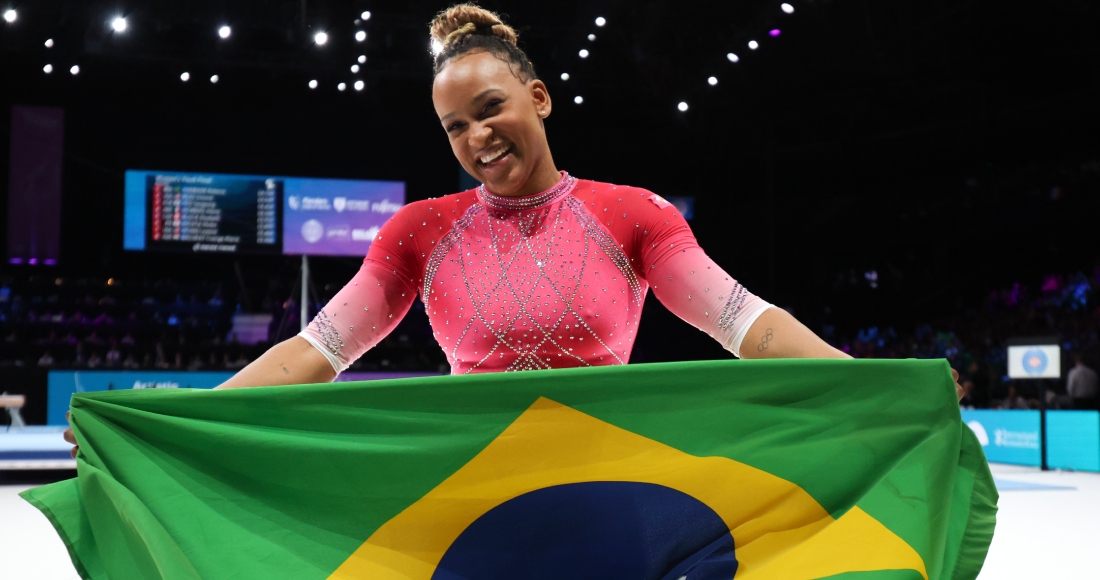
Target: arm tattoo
x=285, y=371
x=764, y=340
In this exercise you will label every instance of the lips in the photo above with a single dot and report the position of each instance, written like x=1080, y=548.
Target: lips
x=495, y=157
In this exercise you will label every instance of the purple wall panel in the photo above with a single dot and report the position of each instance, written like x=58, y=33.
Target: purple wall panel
x=34, y=193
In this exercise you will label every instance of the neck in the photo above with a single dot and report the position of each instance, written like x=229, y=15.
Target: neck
x=545, y=176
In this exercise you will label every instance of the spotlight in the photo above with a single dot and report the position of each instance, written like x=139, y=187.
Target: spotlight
x=578, y=99
x=320, y=38
x=583, y=53
x=360, y=36
x=732, y=57
x=214, y=80
x=10, y=15
x=774, y=32
x=49, y=43
x=564, y=76
x=682, y=106
x=600, y=21
x=313, y=84
x=47, y=69
x=185, y=77
x=787, y=8
x=119, y=24
x=362, y=58
x=354, y=68
x=225, y=31
x=591, y=38
x=437, y=47
x=75, y=70
x=712, y=81
x=341, y=86
x=365, y=15
x=753, y=45
x=359, y=85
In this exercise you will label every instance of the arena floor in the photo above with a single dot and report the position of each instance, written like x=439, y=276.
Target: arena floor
x=1047, y=528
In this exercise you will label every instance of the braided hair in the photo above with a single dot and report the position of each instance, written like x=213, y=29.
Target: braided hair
x=466, y=28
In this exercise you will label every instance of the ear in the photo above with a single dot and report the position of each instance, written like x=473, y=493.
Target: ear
x=541, y=98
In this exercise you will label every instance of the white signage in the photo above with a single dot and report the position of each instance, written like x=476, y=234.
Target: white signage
x=1040, y=361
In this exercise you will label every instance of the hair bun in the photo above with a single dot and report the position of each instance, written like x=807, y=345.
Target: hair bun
x=465, y=19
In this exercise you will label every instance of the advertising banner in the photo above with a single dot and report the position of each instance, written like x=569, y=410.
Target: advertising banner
x=1007, y=436
x=330, y=217
x=1073, y=440
x=61, y=385
x=1041, y=361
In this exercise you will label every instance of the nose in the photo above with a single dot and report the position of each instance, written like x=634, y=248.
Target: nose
x=480, y=136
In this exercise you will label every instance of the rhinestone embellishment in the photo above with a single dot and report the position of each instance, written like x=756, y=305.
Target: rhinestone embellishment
x=565, y=185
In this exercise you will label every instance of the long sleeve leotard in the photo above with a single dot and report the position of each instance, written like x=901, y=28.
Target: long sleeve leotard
x=551, y=280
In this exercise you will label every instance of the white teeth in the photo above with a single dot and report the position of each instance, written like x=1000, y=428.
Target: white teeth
x=494, y=155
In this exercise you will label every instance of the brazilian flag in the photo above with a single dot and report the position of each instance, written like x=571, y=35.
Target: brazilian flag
x=783, y=469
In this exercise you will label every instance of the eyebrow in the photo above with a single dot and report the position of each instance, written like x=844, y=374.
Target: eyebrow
x=477, y=98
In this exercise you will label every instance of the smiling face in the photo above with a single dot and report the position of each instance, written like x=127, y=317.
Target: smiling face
x=494, y=123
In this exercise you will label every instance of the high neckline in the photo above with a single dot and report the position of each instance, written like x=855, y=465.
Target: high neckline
x=533, y=201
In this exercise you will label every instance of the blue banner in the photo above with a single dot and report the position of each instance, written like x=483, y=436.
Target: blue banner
x=61, y=385
x=1073, y=440
x=1007, y=436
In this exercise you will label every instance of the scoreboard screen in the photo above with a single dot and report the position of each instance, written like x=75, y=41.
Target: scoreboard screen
x=249, y=214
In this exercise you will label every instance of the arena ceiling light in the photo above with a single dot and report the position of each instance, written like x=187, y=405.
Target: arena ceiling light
x=583, y=53
x=753, y=45
x=712, y=81
x=732, y=57
x=360, y=35
x=600, y=21
x=359, y=85
x=591, y=38
x=186, y=76
x=313, y=84
x=119, y=24
x=683, y=107
x=774, y=32
x=365, y=15
x=564, y=76
x=49, y=43
x=225, y=31
x=75, y=70
x=214, y=80
x=47, y=69
x=578, y=99
x=341, y=86
x=362, y=59
x=320, y=38
x=787, y=8
x=354, y=68
x=436, y=47
x=10, y=15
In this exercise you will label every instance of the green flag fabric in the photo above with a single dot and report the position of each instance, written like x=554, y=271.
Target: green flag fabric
x=749, y=469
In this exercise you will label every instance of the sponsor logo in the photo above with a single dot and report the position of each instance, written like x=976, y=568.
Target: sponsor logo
x=316, y=204
x=155, y=385
x=385, y=206
x=979, y=431
x=313, y=231
x=1016, y=439
x=339, y=203
x=294, y=202
x=1035, y=361
x=364, y=235
x=339, y=232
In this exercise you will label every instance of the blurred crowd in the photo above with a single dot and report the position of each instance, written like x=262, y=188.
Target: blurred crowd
x=121, y=324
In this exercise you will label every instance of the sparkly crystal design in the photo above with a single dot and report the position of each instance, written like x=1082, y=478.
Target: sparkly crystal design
x=564, y=186
x=327, y=330
x=733, y=305
x=528, y=281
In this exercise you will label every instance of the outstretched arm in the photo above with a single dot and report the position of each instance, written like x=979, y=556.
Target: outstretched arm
x=291, y=362
x=777, y=334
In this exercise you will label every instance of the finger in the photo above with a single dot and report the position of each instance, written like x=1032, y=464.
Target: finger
x=67, y=417
x=73, y=451
x=959, y=391
x=955, y=374
x=68, y=435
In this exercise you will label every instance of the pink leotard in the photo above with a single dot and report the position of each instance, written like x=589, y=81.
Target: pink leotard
x=552, y=280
